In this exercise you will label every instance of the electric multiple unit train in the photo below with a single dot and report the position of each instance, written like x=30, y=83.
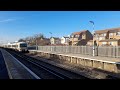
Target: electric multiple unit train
x=19, y=46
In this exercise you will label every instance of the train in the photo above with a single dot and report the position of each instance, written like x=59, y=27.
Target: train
x=18, y=46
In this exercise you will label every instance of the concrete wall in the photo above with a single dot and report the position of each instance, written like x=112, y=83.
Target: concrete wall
x=108, y=66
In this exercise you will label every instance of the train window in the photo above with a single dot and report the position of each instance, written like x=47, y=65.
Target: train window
x=13, y=45
x=23, y=45
x=9, y=45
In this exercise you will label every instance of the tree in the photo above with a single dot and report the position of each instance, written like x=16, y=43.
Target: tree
x=41, y=40
x=38, y=36
x=21, y=40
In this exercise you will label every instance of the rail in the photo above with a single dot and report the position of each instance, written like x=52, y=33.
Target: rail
x=51, y=72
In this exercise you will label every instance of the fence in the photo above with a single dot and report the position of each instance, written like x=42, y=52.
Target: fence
x=107, y=51
x=31, y=47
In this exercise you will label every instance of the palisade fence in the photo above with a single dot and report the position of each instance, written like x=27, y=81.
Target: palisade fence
x=31, y=47
x=107, y=51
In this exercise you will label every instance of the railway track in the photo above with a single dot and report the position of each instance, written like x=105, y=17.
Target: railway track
x=110, y=75
x=45, y=70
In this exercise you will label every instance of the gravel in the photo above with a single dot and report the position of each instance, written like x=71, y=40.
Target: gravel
x=77, y=68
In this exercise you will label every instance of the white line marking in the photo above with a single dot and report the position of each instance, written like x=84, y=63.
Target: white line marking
x=25, y=67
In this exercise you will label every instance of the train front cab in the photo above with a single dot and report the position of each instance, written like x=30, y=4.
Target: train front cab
x=23, y=47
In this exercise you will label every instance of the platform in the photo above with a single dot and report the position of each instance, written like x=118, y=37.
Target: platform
x=16, y=70
x=105, y=63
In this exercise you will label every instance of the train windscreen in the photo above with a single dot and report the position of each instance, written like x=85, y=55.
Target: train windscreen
x=23, y=45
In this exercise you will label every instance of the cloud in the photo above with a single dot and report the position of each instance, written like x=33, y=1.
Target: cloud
x=12, y=19
x=7, y=20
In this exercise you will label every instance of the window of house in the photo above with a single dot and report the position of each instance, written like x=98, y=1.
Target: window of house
x=111, y=34
x=71, y=36
x=76, y=36
x=117, y=33
x=100, y=38
x=104, y=34
x=111, y=43
x=104, y=43
x=100, y=34
x=96, y=35
x=97, y=38
x=62, y=39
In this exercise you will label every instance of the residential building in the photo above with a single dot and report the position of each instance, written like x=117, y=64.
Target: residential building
x=65, y=40
x=43, y=41
x=80, y=38
x=110, y=42
x=108, y=37
x=55, y=40
x=114, y=33
x=100, y=35
x=90, y=43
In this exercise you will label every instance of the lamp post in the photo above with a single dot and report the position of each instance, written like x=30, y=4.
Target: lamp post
x=36, y=43
x=72, y=39
x=50, y=33
x=93, y=38
x=50, y=42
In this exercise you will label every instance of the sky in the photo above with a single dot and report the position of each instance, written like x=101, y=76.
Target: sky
x=20, y=24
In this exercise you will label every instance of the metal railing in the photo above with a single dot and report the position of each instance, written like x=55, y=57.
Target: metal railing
x=107, y=51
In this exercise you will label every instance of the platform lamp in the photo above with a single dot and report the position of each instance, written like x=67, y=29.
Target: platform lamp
x=50, y=42
x=93, y=38
x=36, y=43
x=50, y=33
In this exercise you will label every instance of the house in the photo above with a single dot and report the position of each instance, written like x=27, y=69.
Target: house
x=100, y=35
x=114, y=33
x=108, y=37
x=55, y=40
x=65, y=40
x=90, y=43
x=43, y=41
x=110, y=42
x=80, y=38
